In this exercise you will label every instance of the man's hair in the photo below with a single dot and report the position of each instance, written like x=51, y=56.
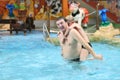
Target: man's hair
x=61, y=18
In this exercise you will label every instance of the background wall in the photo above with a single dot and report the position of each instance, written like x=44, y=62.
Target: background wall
x=92, y=18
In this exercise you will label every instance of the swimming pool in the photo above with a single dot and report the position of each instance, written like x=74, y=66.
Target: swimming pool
x=31, y=58
x=118, y=36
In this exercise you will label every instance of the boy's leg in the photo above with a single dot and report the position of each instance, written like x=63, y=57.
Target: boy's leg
x=83, y=54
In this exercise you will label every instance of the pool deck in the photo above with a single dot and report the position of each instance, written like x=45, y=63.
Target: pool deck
x=90, y=32
x=115, y=40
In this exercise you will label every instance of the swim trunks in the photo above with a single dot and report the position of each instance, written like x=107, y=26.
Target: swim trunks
x=88, y=43
x=77, y=59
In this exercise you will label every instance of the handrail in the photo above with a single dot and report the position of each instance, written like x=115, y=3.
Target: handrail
x=46, y=34
x=45, y=31
x=91, y=13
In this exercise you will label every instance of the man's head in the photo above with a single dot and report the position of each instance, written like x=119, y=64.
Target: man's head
x=61, y=23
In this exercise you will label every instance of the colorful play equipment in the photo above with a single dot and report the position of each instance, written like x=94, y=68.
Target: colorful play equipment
x=10, y=8
x=103, y=16
x=79, y=14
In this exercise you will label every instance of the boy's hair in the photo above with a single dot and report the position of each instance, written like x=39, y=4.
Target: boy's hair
x=61, y=18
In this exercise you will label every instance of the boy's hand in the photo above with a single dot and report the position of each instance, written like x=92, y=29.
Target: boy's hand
x=99, y=56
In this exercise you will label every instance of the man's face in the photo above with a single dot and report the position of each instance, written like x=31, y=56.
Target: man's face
x=61, y=24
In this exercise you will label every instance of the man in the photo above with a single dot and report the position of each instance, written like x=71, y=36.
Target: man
x=30, y=22
x=72, y=42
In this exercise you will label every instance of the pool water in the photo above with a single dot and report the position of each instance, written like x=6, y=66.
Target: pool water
x=118, y=36
x=30, y=57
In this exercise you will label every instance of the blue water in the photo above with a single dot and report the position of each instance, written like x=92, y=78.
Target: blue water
x=118, y=36
x=30, y=57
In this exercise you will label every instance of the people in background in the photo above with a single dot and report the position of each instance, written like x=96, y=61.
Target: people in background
x=30, y=21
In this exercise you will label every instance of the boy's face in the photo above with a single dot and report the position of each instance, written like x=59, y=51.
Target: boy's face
x=61, y=24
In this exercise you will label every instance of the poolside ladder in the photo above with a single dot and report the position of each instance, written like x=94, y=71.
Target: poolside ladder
x=45, y=31
x=46, y=34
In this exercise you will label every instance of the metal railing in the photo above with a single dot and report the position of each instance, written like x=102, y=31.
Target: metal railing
x=45, y=31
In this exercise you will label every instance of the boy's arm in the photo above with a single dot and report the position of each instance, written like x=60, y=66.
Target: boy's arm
x=78, y=38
